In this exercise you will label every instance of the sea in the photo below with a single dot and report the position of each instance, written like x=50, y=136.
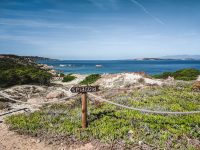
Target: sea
x=151, y=67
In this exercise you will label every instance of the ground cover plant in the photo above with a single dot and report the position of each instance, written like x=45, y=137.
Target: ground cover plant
x=183, y=74
x=91, y=79
x=68, y=78
x=118, y=126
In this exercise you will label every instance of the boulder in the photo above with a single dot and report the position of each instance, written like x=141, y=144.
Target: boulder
x=170, y=79
x=196, y=86
x=55, y=94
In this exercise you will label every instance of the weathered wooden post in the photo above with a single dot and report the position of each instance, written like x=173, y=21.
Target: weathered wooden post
x=84, y=110
x=83, y=90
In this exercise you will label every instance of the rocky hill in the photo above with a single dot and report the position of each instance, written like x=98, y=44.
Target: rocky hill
x=25, y=59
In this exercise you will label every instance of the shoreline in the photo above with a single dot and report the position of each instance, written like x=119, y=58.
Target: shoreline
x=110, y=67
x=133, y=89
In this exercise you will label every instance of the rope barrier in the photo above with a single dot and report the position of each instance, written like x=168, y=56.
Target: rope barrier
x=55, y=101
x=13, y=111
x=144, y=110
x=104, y=100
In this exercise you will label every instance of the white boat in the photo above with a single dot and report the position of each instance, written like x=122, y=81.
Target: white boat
x=99, y=66
x=62, y=65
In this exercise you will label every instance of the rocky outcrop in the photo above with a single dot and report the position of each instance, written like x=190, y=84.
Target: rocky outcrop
x=24, y=92
x=126, y=80
x=34, y=93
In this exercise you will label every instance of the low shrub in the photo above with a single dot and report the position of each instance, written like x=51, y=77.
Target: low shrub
x=91, y=79
x=62, y=75
x=68, y=78
x=183, y=74
x=141, y=80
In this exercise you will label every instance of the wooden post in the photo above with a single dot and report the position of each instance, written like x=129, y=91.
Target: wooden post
x=84, y=90
x=84, y=110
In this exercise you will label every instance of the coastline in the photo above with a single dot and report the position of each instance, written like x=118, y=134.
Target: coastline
x=150, y=67
x=54, y=101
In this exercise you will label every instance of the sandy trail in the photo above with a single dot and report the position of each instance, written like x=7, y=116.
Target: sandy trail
x=9, y=140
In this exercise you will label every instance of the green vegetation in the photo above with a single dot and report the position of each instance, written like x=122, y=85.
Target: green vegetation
x=68, y=78
x=62, y=74
x=91, y=79
x=114, y=125
x=17, y=71
x=184, y=74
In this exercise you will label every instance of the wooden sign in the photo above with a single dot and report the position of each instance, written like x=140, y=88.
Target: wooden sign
x=84, y=89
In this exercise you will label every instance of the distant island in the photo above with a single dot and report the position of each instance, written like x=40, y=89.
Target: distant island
x=172, y=57
x=150, y=59
x=182, y=57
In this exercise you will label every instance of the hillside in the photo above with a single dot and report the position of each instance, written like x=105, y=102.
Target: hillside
x=17, y=70
x=26, y=58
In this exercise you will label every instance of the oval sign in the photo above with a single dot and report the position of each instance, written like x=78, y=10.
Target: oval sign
x=84, y=89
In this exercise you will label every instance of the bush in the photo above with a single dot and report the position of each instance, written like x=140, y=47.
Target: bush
x=183, y=74
x=62, y=75
x=141, y=80
x=14, y=73
x=91, y=79
x=24, y=75
x=68, y=78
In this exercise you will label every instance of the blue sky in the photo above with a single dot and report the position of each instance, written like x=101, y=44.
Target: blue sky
x=100, y=29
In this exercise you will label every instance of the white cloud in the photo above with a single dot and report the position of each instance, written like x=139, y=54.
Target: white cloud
x=147, y=12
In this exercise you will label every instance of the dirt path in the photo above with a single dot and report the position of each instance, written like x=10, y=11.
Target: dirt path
x=10, y=140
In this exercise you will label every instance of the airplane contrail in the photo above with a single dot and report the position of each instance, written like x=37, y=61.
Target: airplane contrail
x=147, y=12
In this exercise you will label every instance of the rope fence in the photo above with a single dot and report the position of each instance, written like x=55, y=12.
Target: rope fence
x=13, y=111
x=37, y=104
x=50, y=102
x=104, y=100
x=144, y=110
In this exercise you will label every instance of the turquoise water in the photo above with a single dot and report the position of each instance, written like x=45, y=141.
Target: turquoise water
x=118, y=66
